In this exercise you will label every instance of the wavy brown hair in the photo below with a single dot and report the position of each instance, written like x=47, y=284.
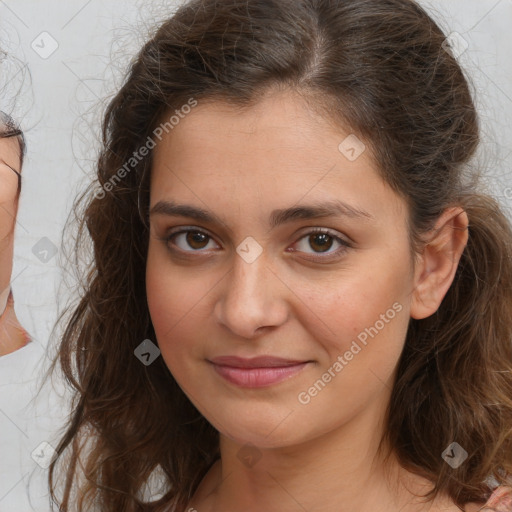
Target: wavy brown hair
x=378, y=67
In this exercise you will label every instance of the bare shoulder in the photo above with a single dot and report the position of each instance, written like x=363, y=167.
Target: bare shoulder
x=500, y=501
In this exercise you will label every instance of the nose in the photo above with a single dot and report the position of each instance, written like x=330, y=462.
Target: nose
x=252, y=298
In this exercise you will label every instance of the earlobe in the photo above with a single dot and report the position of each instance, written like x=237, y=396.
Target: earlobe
x=436, y=266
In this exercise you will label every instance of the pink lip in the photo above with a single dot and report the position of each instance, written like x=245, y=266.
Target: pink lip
x=258, y=371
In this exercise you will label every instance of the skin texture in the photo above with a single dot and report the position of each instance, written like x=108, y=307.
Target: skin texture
x=11, y=337
x=294, y=301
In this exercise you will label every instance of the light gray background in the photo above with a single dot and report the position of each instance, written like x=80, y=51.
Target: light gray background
x=59, y=99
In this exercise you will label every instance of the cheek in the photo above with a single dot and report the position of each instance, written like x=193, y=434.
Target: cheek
x=365, y=317
x=177, y=302
x=346, y=307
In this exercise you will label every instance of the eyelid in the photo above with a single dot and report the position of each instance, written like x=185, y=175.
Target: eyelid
x=307, y=231
x=330, y=256
x=342, y=240
x=186, y=229
x=331, y=232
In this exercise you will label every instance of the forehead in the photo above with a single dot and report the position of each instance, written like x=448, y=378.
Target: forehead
x=281, y=129
x=279, y=148
x=276, y=109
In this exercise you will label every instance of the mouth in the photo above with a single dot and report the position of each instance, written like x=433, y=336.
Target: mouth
x=256, y=372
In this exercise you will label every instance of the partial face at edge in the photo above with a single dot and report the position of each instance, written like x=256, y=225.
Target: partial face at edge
x=9, y=157
x=310, y=297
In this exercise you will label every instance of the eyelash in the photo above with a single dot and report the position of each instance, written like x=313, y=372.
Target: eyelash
x=345, y=245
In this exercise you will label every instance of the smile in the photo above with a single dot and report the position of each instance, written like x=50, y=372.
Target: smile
x=257, y=372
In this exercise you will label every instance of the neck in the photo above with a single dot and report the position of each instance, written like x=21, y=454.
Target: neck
x=340, y=471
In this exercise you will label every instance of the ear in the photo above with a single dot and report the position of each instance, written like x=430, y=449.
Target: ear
x=437, y=264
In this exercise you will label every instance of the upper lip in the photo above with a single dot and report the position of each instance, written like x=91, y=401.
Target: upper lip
x=255, y=362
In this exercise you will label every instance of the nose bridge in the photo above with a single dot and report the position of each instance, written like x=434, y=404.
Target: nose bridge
x=246, y=276
x=250, y=297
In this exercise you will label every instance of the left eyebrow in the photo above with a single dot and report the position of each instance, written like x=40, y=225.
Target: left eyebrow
x=316, y=211
x=277, y=217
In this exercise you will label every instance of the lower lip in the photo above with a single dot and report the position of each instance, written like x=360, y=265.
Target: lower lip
x=257, y=377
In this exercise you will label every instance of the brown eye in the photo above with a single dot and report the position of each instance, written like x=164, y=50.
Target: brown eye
x=196, y=239
x=190, y=240
x=321, y=241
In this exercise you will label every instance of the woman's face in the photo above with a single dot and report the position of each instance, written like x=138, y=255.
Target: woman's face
x=253, y=279
x=9, y=156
